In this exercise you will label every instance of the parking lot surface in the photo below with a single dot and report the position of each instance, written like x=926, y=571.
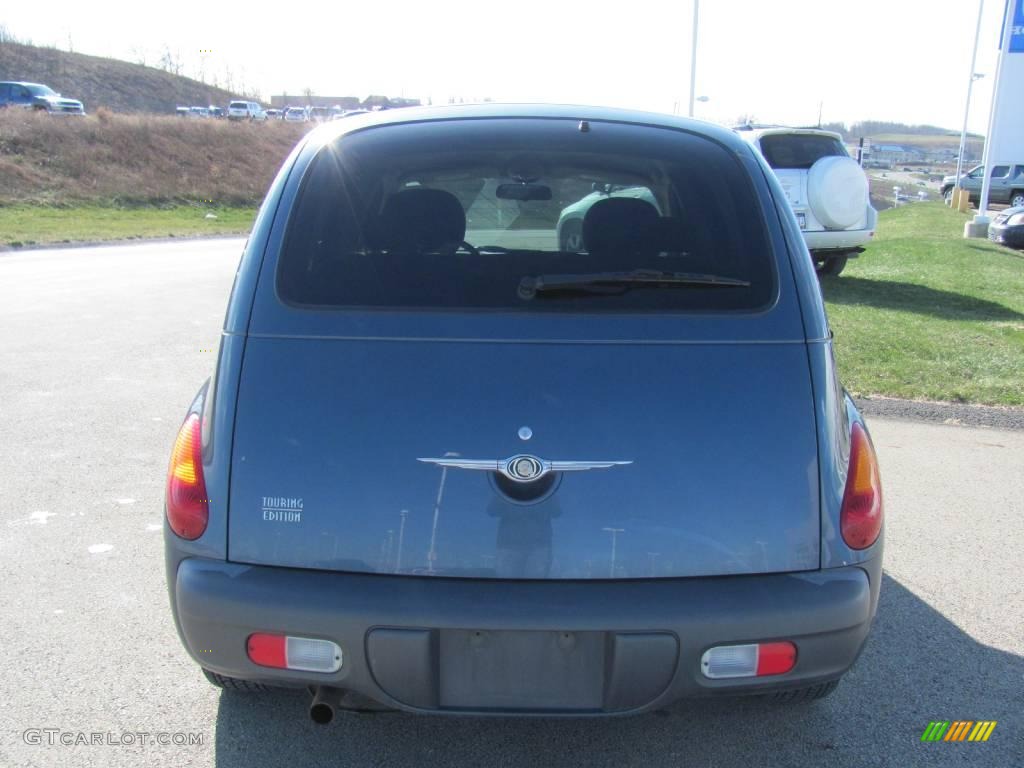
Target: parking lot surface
x=102, y=349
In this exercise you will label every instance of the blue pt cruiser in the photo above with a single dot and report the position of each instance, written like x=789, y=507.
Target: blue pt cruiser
x=452, y=463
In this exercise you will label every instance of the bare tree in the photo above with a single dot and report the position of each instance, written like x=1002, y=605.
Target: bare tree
x=6, y=36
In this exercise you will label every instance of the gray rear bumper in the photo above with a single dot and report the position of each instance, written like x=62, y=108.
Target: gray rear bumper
x=409, y=642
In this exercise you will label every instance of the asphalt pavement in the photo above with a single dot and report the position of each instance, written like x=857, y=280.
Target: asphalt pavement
x=102, y=349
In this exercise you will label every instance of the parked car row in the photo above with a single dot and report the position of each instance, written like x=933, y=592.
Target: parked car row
x=253, y=111
x=200, y=112
x=318, y=114
x=38, y=97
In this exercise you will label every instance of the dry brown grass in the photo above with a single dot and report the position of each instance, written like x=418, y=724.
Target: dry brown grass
x=138, y=159
x=102, y=82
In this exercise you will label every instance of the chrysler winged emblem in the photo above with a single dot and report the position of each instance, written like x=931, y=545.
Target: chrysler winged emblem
x=521, y=468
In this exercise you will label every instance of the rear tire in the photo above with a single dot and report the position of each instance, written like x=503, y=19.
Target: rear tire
x=233, y=683
x=832, y=266
x=803, y=695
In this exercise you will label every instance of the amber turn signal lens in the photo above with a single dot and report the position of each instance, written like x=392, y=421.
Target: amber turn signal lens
x=187, y=504
x=861, y=516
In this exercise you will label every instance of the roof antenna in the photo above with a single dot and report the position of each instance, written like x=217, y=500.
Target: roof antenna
x=820, y=105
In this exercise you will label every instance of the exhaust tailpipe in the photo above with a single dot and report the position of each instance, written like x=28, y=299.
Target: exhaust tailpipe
x=325, y=701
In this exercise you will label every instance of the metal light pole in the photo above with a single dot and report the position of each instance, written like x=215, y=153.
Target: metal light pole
x=693, y=55
x=981, y=220
x=401, y=540
x=970, y=85
x=432, y=554
x=615, y=535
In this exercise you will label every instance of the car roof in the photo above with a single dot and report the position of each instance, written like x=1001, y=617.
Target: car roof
x=333, y=130
x=21, y=82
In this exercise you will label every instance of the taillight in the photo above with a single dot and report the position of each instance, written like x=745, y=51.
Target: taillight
x=751, y=660
x=861, y=516
x=286, y=652
x=187, y=509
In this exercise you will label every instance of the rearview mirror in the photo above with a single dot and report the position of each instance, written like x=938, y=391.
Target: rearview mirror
x=523, y=192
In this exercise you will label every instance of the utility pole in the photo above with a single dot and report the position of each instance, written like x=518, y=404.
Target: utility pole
x=693, y=55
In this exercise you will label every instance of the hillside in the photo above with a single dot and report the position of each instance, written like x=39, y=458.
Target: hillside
x=99, y=82
x=139, y=159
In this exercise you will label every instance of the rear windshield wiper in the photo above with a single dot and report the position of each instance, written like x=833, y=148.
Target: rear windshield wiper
x=615, y=283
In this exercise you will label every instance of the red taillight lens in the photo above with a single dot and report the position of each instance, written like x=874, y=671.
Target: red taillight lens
x=267, y=650
x=187, y=508
x=775, y=658
x=861, y=517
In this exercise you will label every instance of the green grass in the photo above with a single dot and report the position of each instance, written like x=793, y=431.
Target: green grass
x=39, y=224
x=925, y=314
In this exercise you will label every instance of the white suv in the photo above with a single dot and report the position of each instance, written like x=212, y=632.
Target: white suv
x=245, y=110
x=826, y=188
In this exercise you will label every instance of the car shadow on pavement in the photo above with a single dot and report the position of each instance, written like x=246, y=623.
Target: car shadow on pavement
x=909, y=297
x=917, y=667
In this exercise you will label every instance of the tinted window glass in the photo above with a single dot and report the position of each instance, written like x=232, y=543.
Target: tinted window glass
x=238, y=105
x=456, y=214
x=799, y=151
x=1000, y=171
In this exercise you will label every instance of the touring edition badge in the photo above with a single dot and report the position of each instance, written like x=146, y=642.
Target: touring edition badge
x=282, y=509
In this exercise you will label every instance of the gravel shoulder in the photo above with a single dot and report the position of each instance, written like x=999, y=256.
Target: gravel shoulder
x=963, y=414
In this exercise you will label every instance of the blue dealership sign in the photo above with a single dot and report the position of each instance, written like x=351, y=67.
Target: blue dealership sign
x=1017, y=28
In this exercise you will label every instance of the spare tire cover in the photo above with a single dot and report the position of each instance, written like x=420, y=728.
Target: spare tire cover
x=837, y=191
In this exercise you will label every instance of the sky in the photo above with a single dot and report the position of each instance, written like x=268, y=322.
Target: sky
x=779, y=61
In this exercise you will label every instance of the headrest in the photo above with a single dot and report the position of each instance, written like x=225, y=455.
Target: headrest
x=621, y=226
x=421, y=220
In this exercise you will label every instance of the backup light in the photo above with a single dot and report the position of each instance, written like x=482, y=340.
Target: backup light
x=306, y=654
x=751, y=660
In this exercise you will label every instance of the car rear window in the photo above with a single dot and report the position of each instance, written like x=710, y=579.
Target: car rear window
x=799, y=150
x=463, y=214
x=238, y=105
